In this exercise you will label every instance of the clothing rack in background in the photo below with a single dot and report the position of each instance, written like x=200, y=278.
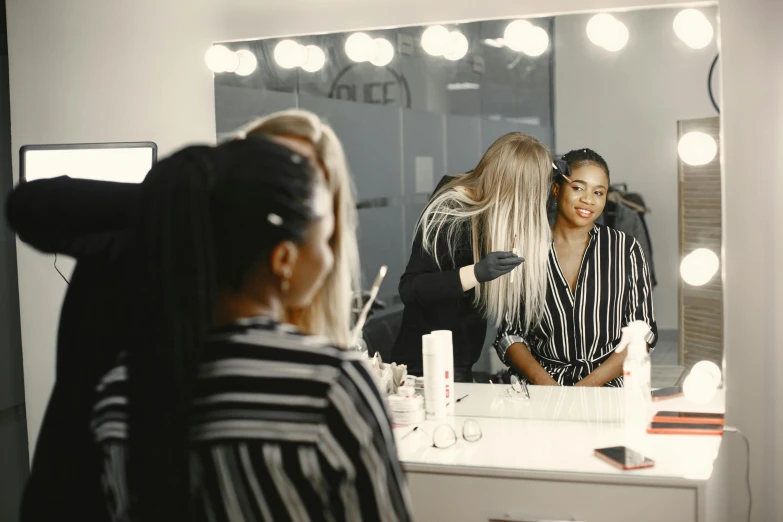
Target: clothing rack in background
x=625, y=211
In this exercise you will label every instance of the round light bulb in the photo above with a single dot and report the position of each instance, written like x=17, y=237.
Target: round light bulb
x=693, y=28
x=598, y=27
x=698, y=267
x=515, y=34
x=617, y=37
x=289, y=54
x=697, y=148
x=537, y=42
x=220, y=59
x=247, y=63
x=709, y=368
x=457, y=47
x=435, y=39
x=315, y=59
x=384, y=52
x=359, y=47
x=699, y=387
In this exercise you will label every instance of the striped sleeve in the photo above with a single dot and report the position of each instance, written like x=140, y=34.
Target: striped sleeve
x=507, y=335
x=639, y=306
x=358, y=428
x=347, y=470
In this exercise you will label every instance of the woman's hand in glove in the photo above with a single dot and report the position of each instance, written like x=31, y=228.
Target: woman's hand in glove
x=496, y=264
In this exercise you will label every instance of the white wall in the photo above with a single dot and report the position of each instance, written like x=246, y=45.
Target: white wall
x=101, y=70
x=752, y=154
x=625, y=106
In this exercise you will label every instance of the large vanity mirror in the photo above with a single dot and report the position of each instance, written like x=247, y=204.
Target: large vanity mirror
x=414, y=104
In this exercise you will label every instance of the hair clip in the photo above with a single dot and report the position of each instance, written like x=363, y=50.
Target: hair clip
x=554, y=166
x=240, y=135
x=274, y=219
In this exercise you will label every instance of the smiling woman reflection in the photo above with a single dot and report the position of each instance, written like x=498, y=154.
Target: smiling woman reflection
x=598, y=282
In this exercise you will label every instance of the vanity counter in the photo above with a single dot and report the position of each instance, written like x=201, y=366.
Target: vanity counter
x=535, y=461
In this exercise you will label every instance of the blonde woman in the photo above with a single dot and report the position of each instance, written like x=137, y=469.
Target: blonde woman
x=329, y=314
x=478, y=228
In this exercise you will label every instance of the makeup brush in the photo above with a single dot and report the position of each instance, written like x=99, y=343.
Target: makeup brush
x=516, y=253
x=366, y=310
x=564, y=176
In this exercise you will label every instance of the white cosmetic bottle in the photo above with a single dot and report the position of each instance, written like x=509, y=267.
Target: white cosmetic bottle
x=448, y=349
x=434, y=365
x=636, y=388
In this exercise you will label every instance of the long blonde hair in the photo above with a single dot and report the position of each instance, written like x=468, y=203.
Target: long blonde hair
x=330, y=313
x=502, y=200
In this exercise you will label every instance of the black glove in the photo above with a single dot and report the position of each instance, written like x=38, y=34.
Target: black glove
x=496, y=264
x=560, y=168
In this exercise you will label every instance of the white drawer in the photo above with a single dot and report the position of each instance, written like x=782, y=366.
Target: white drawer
x=462, y=498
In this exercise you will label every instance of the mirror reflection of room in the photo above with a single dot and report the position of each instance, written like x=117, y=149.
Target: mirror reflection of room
x=455, y=133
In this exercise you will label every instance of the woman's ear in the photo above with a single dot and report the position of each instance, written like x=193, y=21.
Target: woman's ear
x=283, y=260
x=555, y=190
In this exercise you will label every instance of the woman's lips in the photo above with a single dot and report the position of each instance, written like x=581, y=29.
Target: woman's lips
x=583, y=212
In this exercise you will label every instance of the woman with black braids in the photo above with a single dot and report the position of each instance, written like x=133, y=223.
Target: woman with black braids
x=220, y=410
x=88, y=220
x=598, y=281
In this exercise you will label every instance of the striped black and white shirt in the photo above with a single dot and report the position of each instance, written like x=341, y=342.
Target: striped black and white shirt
x=580, y=329
x=283, y=427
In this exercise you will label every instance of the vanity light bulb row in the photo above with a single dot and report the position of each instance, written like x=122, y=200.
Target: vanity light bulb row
x=361, y=47
x=290, y=54
x=690, y=26
x=439, y=41
x=606, y=31
x=221, y=59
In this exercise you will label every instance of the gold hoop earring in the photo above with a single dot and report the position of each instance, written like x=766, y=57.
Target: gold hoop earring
x=285, y=284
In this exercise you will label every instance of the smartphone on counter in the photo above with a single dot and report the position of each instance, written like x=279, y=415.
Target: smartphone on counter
x=684, y=428
x=689, y=417
x=624, y=458
x=667, y=393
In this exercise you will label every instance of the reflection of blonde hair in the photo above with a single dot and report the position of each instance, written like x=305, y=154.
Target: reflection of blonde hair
x=503, y=199
x=330, y=312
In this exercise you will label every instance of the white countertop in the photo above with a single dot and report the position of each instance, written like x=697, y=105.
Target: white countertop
x=565, y=403
x=557, y=430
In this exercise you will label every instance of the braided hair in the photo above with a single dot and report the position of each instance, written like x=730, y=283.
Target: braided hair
x=575, y=159
x=207, y=216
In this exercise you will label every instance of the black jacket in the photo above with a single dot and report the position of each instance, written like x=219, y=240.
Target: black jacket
x=86, y=220
x=434, y=300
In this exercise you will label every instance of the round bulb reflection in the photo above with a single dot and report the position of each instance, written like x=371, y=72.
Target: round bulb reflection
x=606, y=31
x=698, y=267
x=699, y=387
x=618, y=38
x=359, y=47
x=220, y=58
x=457, y=46
x=709, y=368
x=247, y=63
x=289, y=54
x=435, y=39
x=697, y=148
x=693, y=28
x=599, y=26
x=537, y=42
x=384, y=52
x=515, y=35
x=315, y=59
